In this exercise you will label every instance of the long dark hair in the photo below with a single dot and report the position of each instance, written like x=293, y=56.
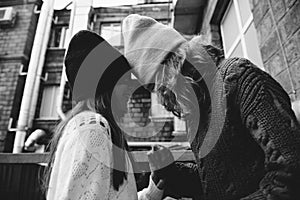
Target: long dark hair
x=100, y=103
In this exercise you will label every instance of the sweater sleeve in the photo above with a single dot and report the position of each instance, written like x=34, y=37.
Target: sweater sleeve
x=183, y=180
x=82, y=166
x=266, y=112
x=151, y=192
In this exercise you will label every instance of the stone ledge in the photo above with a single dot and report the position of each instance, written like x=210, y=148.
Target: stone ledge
x=20, y=57
x=4, y=3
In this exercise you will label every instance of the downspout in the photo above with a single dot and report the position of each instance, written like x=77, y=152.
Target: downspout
x=33, y=69
x=43, y=49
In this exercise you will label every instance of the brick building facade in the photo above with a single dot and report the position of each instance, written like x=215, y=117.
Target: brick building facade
x=137, y=118
x=15, y=48
x=267, y=32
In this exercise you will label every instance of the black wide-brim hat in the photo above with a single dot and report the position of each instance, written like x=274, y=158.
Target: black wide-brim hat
x=93, y=66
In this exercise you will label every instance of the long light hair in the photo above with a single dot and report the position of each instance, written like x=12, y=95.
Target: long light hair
x=182, y=87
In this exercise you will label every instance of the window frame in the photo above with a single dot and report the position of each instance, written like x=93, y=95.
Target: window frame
x=53, y=103
x=63, y=36
x=242, y=29
x=113, y=22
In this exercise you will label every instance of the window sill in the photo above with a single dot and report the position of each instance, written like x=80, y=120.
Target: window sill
x=46, y=119
x=56, y=48
x=161, y=118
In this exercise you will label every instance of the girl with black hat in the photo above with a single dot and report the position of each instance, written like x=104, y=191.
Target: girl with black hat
x=89, y=157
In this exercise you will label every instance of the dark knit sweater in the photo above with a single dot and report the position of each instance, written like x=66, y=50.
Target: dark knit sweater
x=257, y=155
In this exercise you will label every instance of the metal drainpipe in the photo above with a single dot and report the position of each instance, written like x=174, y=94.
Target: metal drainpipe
x=41, y=63
x=46, y=13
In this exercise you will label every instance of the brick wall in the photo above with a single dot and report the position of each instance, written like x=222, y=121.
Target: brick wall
x=137, y=123
x=16, y=40
x=277, y=23
x=15, y=46
x=8, y=81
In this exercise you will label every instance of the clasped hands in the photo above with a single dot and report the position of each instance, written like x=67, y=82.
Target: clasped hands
x=160, y=161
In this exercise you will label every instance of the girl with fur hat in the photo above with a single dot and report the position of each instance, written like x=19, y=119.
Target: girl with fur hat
x=89, y=157
x=242, y=130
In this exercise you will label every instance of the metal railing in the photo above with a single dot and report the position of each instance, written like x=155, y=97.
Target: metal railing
x=20, y=174
x=35, y=158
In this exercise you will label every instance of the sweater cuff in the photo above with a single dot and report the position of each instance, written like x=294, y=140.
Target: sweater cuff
x=258, y=195
x=154, y=192
x=151, y=192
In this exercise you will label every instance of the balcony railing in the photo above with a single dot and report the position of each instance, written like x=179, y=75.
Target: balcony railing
x=36, y=158
x=20, y=174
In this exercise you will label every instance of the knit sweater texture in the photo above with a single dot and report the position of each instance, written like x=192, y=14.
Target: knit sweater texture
x=257, y=155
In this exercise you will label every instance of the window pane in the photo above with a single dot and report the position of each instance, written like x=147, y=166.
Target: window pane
x=158, y=110
x=66, y=42
x=112, y=33
x=58, y=36
x=165, y=22
x=252, y=46
x=2, y=13
x=54, y=101
x=133, y=77
x=48, y=105
x=230, y=28
x=245, y=10
x=237, y=52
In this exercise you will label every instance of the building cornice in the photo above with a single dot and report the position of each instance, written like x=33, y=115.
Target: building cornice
x=20, y=57
x=4, y=3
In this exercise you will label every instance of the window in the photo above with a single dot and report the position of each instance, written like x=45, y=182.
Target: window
x=49, y=99
x=165, y=22
x=160, y=114
x=2, y=13
x=239, y=34
x=111, y=32
x=158, y=110
x=58, y=37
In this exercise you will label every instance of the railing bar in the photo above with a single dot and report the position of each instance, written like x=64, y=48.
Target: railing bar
x=31, y=158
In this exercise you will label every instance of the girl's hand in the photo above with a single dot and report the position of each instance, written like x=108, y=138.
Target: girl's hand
x=159, y=158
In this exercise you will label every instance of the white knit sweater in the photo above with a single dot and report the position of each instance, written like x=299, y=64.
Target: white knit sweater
x=83, y=165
